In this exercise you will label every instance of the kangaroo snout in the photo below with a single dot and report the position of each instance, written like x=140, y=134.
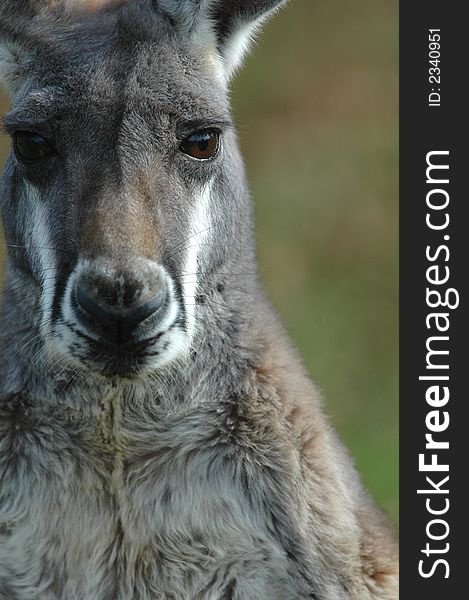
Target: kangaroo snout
x=120, y=305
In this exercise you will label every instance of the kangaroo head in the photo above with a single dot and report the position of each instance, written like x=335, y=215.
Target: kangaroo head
x=124, y=190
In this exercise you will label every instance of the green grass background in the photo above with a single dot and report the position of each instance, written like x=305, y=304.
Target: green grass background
x=316, y=106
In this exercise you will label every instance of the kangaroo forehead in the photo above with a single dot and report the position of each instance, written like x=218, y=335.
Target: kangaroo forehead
x=151, y=86
x=122, y=59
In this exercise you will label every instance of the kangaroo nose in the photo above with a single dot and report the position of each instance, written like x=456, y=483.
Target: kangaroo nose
x=115, y=311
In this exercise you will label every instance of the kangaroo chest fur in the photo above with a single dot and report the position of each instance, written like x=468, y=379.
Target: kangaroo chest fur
x=100, y=508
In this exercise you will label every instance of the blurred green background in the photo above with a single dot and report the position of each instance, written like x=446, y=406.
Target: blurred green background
x=317, y=110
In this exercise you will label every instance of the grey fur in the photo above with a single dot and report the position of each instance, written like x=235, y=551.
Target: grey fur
x=210, y=471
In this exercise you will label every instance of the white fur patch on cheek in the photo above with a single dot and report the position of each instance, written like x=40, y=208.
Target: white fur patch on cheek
x=200, y=229
x=41, y=253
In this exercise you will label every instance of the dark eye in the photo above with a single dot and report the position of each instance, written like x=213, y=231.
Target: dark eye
x=31, y=147
x=202, y=144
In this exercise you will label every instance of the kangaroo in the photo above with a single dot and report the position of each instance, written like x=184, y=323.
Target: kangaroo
x=159, y=436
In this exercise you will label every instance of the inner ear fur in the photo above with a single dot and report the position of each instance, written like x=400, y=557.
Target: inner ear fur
x=236, y=23
x=230, y=14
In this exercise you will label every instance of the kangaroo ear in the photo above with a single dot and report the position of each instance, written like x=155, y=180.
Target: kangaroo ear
x=236, y=23
x=233, y=23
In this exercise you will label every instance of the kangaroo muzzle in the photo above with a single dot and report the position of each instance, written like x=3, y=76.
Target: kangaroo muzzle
x=120, y=316
x=120, y=305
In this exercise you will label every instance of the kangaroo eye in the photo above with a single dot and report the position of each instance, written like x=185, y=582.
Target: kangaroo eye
x=31, y=147
x=202, y=144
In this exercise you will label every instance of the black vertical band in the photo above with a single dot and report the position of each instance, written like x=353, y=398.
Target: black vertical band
x=434, y=252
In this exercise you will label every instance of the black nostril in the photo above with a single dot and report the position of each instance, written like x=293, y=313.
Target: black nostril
x=144, y=311
x=89, y=306
x=116, y=325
